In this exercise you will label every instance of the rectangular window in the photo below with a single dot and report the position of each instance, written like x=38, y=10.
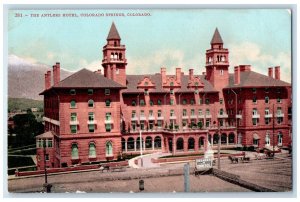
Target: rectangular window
x=184, y=112
x=266, y=90
x=73, y=129
x=107, y=91
x=49, y=143
x=207, y=123
x=73, y=117
x=142, y=113
x=254, y=100
x=90, y=91
x=200, y=112
x=133, y=114
x=267, y=111
x=91, y=116
x=254, y=111
x=278, y=100
x=171, y=102
x=150, y=112
x=200, y=101
x=267, y=121
x=108, y=127
x=159, y=123
x=151, y=124
x=142, y=124
x=172, y=112
x=267, y=100
x=254, y=90
x=254, y=122
x=221, y=101
x=192, y=112
x=159, y=113
x=108, y=116
x=91, y=128
x=133, y=125
x=47, y=157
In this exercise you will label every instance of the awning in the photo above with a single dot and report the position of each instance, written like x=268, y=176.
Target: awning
x=256, y=137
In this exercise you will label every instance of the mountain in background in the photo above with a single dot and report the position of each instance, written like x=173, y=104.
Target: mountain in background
x=26, y=79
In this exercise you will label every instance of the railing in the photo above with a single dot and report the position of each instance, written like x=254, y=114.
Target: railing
x=255, y=116
x=108, y=121
x=134, y=118
x=91, y=122
x=223, y=115
x=239, y=116
x=268, y=115
x=280, y=114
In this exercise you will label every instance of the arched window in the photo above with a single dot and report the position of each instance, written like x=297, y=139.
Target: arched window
x=221, y=111
x=192, y=101
x=280, y=137
x=267, y=139
x=184, y=101
x=92, y=150
x=138, y=143
x=112, y=55
x=179, y=144
x=223, y=138
x=120, y=56
x=158, y=102
x=107, y=103
x=266, y=99
x=157, y=142
x=133, y=103
x=73, y=104
x=142, y=102
x=171, y=83
x=201, y=142
x=91, y=103
x=191, y=143
x=215, y=138
x=109, y=149
x=231, y=138
x=148, y=142
x=151, y=103
x=130, y=144
x=75, y=151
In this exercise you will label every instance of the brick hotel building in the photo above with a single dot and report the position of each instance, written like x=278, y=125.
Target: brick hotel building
x=92, y=117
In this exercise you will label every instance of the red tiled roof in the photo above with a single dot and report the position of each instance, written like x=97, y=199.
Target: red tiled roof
x=48, y=134
x=113, y=32
x=254, y=79
x=217, y=39
x=86, y=79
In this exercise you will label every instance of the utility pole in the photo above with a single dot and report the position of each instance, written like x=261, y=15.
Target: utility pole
x=219, y=147
x=273, y=130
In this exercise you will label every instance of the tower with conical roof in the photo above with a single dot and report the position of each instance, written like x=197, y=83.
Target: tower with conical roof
x=217, y=62
x=114, y=61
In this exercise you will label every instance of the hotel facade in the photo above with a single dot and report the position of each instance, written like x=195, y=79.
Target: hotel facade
x=94, y=116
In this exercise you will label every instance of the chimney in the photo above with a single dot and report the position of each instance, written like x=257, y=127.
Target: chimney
x=270, y=72
x=237, y=75
x=163, y=74
x=48, y=80
x=98, y=72
x=191, y=74
x=178, y=75
x=277, y=72
x=56, y=73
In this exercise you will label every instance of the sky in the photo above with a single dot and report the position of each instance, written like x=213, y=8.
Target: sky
x=167, y=38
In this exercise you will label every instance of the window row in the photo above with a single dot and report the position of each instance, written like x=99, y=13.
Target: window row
x=171, y=102
x=89, y=91
x=92, y=150
x=267, y=100
x=90, y=103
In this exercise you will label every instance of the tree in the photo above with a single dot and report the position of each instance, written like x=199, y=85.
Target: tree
x=26, y=128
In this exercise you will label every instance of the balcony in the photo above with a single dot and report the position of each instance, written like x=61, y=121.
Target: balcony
x=268, y=115
x=143, y=118
x=255, y=116
x=185, y=117
x=208, y=116
x=222, y=116
x=134, y=118
x=92, y=122
x=279, y=114
x=76, y=122
x=239, y=116
x=160, y=118
x=173, y=117
x=193, y=116
x=151, y=118
x=108, y=121
x=201, y=116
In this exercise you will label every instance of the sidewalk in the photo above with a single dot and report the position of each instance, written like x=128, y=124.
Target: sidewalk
x=146, y=159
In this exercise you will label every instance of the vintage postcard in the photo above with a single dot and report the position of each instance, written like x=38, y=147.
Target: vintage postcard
x=192, y=100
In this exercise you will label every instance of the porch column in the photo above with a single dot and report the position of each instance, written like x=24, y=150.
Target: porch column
x=153, y=144
x=125, y=146
x=134, y=145
x=227, y=139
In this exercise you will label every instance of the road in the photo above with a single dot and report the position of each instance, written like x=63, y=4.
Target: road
x=274, y=174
